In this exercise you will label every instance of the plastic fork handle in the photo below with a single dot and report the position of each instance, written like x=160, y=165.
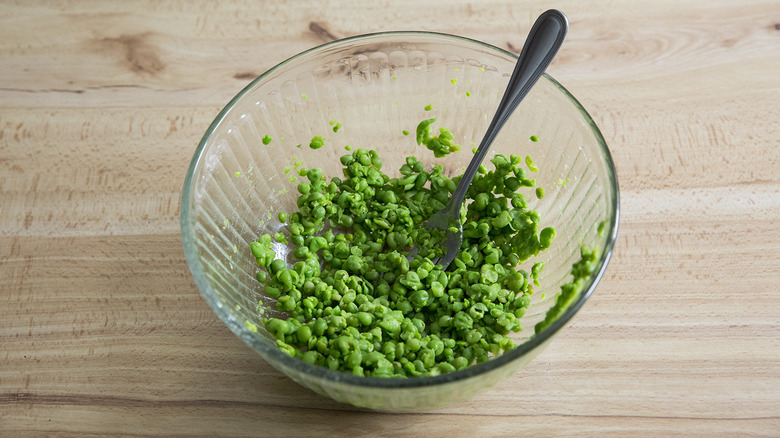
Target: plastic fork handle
x=543, y=42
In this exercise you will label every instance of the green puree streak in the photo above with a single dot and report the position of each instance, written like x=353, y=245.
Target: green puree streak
x=581, y=272
x=355, y=301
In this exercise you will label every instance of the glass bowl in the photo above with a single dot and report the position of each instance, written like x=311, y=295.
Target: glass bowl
x=377, y=86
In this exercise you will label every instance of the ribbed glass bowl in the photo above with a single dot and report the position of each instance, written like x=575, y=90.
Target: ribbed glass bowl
x=377, y=86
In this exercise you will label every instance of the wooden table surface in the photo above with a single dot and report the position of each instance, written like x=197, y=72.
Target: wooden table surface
x=103, y=332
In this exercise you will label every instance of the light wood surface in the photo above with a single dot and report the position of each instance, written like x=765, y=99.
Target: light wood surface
x=103, y=332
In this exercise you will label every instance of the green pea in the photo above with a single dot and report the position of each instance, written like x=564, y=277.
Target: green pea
x=296, y=240
x=354, y=359
x=437, y=346
x=546, y=236
x=273, y=292
x=419, y=298
x=346, y=221
x=277, y=265
x=445, y=367
x=418, y=324
x=460, y=362
x=462, y=321
x=516, y=282
x=301, y=252
x=320, y=326
x=437, y=289
x=285, y=278
x=286, y=303
x=285, y=348
x=277, y=327
x=365, y=318
x=488, y=274
x=310, y=357
x=354, y=263
x=427, y=357
x=376, y=160
x=518, y=201
x=501, y=220
x=512, y=184
x=477, y=311
x=404, y=306
x=317, y=142
x=530, y=163
x=304, y=333
x=372, y=358
x=389, y=350
x=492, y=257
x=280, y=237
x=413, y=344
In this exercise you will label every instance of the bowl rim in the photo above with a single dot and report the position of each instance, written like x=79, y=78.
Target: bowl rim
x=316, y=371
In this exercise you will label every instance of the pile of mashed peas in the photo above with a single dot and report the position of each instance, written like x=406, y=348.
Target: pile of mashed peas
x=357, y=302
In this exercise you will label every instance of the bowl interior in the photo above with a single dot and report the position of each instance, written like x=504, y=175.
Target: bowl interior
x=377, y=86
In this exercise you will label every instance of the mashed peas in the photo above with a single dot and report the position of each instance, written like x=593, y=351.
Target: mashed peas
x=357, y=302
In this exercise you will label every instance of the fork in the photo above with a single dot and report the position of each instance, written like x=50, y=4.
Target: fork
x=543, y=42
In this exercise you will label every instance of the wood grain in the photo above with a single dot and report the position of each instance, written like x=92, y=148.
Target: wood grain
x=103, y=332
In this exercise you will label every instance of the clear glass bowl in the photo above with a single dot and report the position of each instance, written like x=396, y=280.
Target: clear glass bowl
x=377, y=86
